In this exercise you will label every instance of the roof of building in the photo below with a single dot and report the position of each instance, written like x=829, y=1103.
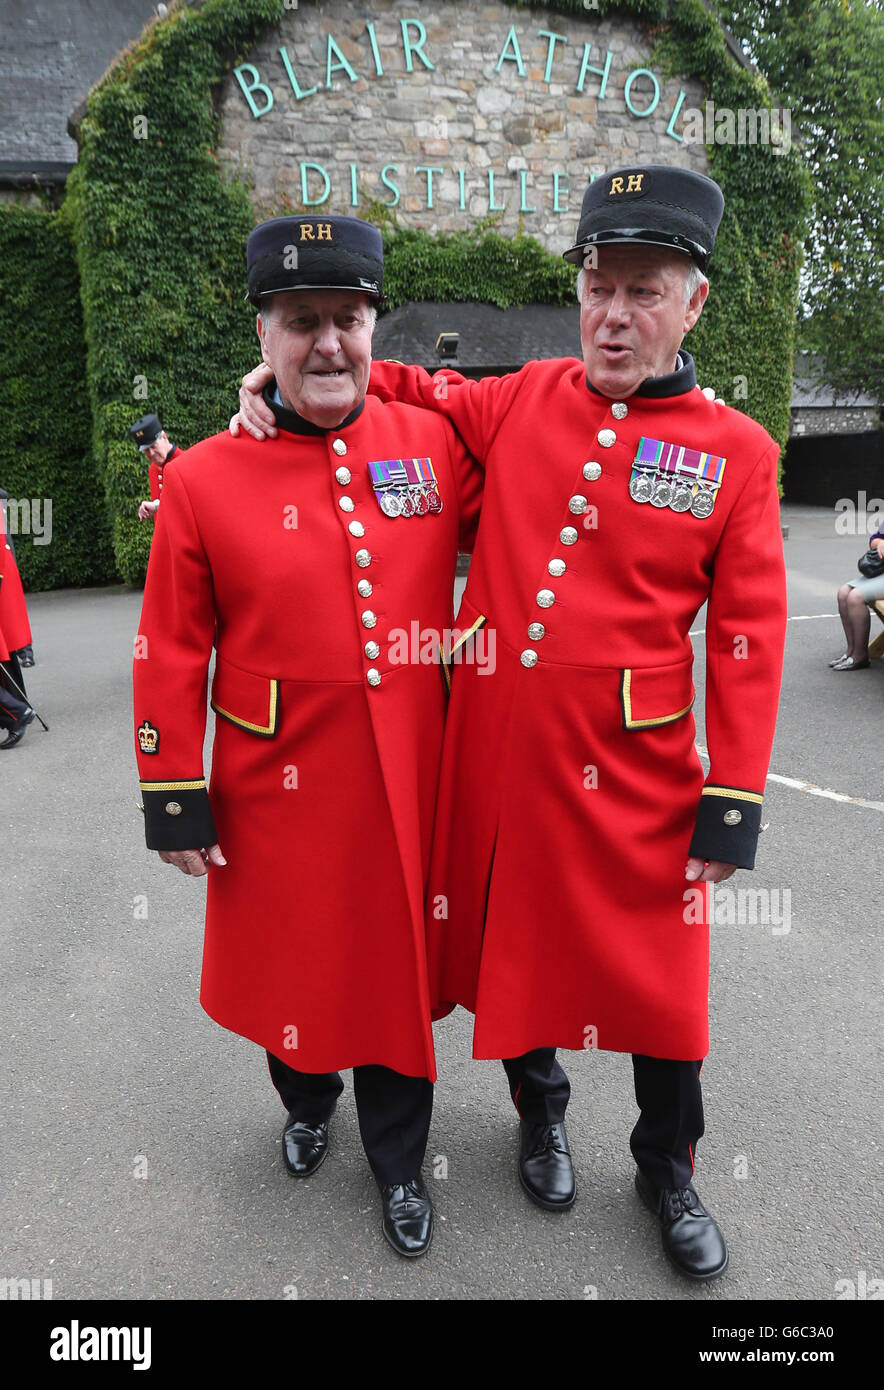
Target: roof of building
x=491, y=340
x=809, y=392
x=50, y=55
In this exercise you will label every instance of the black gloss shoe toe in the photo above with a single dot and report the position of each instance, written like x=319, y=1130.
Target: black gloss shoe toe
x=691, y=1237
x=408, y=1217
x=17, y=734
x=304, y=1147
x=545, y=1169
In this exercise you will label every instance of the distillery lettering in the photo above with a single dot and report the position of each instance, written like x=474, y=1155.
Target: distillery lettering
x=582, y=66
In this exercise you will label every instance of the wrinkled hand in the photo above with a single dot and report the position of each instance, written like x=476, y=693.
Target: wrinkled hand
x=194, y=862
x=699, y=871
x=254, y=415
x=877, y=543
x=147, y=509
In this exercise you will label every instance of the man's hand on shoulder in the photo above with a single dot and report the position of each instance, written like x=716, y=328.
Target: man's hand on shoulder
x=254, y=415
x=195, y=862
x=711, y=871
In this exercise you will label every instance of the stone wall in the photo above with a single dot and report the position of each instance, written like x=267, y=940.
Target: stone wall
x=810, y=420
x=526, y=141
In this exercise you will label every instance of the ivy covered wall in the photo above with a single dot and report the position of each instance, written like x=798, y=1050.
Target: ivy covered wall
x=160, y=237
x=46, y=451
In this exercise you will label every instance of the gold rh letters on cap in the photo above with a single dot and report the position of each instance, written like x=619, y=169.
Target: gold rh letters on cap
x=633, y=186
x=321, y=232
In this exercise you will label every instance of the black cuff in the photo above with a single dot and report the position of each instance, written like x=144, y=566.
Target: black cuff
x=178, y=816
x=727, y=828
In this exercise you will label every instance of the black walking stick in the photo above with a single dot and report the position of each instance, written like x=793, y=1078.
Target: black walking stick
x=12, y=681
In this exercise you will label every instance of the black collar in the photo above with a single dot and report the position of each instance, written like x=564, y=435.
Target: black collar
x=296, y=424
x=676, y=383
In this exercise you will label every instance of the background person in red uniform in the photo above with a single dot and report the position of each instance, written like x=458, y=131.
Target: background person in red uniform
x=574, y=820
x=326, y=753
x=152, y=440
x=15, y=641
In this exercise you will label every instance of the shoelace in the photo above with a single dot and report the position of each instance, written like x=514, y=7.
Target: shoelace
x=548, y=1139
x=681, y=1199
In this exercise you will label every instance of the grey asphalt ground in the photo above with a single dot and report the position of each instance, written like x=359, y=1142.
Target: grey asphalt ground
x=111, y=1064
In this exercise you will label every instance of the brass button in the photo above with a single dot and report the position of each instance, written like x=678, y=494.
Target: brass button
x=568, y=536
x=578, y=504
x=619, y=410
x=363, y=588
x=339, y=446
x=363, y=559
x=369, y=619
x=373, y=676
x=592, y=471
x=556, y=568
x=372, y=651
x=528, y=658
x=173, y=808
x=546, y=598
x=356, y=528
x=343, y=476
x=607, y=438
x=536, y=631
x=709, y=393
x=732, y=817
x=346, y=504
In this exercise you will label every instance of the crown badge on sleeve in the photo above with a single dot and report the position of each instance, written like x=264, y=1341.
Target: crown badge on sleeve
x=148, y=738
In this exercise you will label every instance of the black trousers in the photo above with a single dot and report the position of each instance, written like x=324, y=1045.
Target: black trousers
x=12, y=706
x=669, y=1097
x=394, y=1112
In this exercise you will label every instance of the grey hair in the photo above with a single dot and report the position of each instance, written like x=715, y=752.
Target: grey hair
x=265, y=308
x=693, y=279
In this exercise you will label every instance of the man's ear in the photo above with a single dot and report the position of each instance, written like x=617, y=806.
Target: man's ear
x=259, y=325
x=694, y=306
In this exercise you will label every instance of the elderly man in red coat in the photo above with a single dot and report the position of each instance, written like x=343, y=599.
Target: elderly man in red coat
x=574, y=821
x=153, y=441
x=315, y=830
x=15, y=639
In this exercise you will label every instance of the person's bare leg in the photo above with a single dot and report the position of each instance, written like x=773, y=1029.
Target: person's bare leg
x=859, y=621
x=843, y=595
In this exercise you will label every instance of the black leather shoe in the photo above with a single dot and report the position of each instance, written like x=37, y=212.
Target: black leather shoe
x=304, y=1147
x=691, y=1237
x=545, y=1169
x=408, y=1217
x=17, y=734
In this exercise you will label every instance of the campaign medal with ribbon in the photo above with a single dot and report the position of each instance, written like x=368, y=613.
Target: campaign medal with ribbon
x=644, y=470
x=674, y=476
x=405, y=487
x=710, y=471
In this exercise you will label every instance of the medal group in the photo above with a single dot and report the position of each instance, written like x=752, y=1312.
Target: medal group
x=405, y=487
x=674, y=476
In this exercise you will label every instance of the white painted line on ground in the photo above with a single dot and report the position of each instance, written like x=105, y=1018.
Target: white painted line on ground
x=796, y=618
x=809, y=787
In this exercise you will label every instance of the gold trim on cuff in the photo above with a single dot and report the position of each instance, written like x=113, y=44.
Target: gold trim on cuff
x=732, y=794
x=191, y=786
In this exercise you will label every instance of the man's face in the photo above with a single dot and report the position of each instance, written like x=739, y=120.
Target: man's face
x=318, y=343
x=158, y=450
x=633, y=316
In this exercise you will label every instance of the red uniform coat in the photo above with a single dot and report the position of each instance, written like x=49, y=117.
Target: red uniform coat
x=571, y=792
x=15, y=630
x=324, y=777
x=155, y=473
